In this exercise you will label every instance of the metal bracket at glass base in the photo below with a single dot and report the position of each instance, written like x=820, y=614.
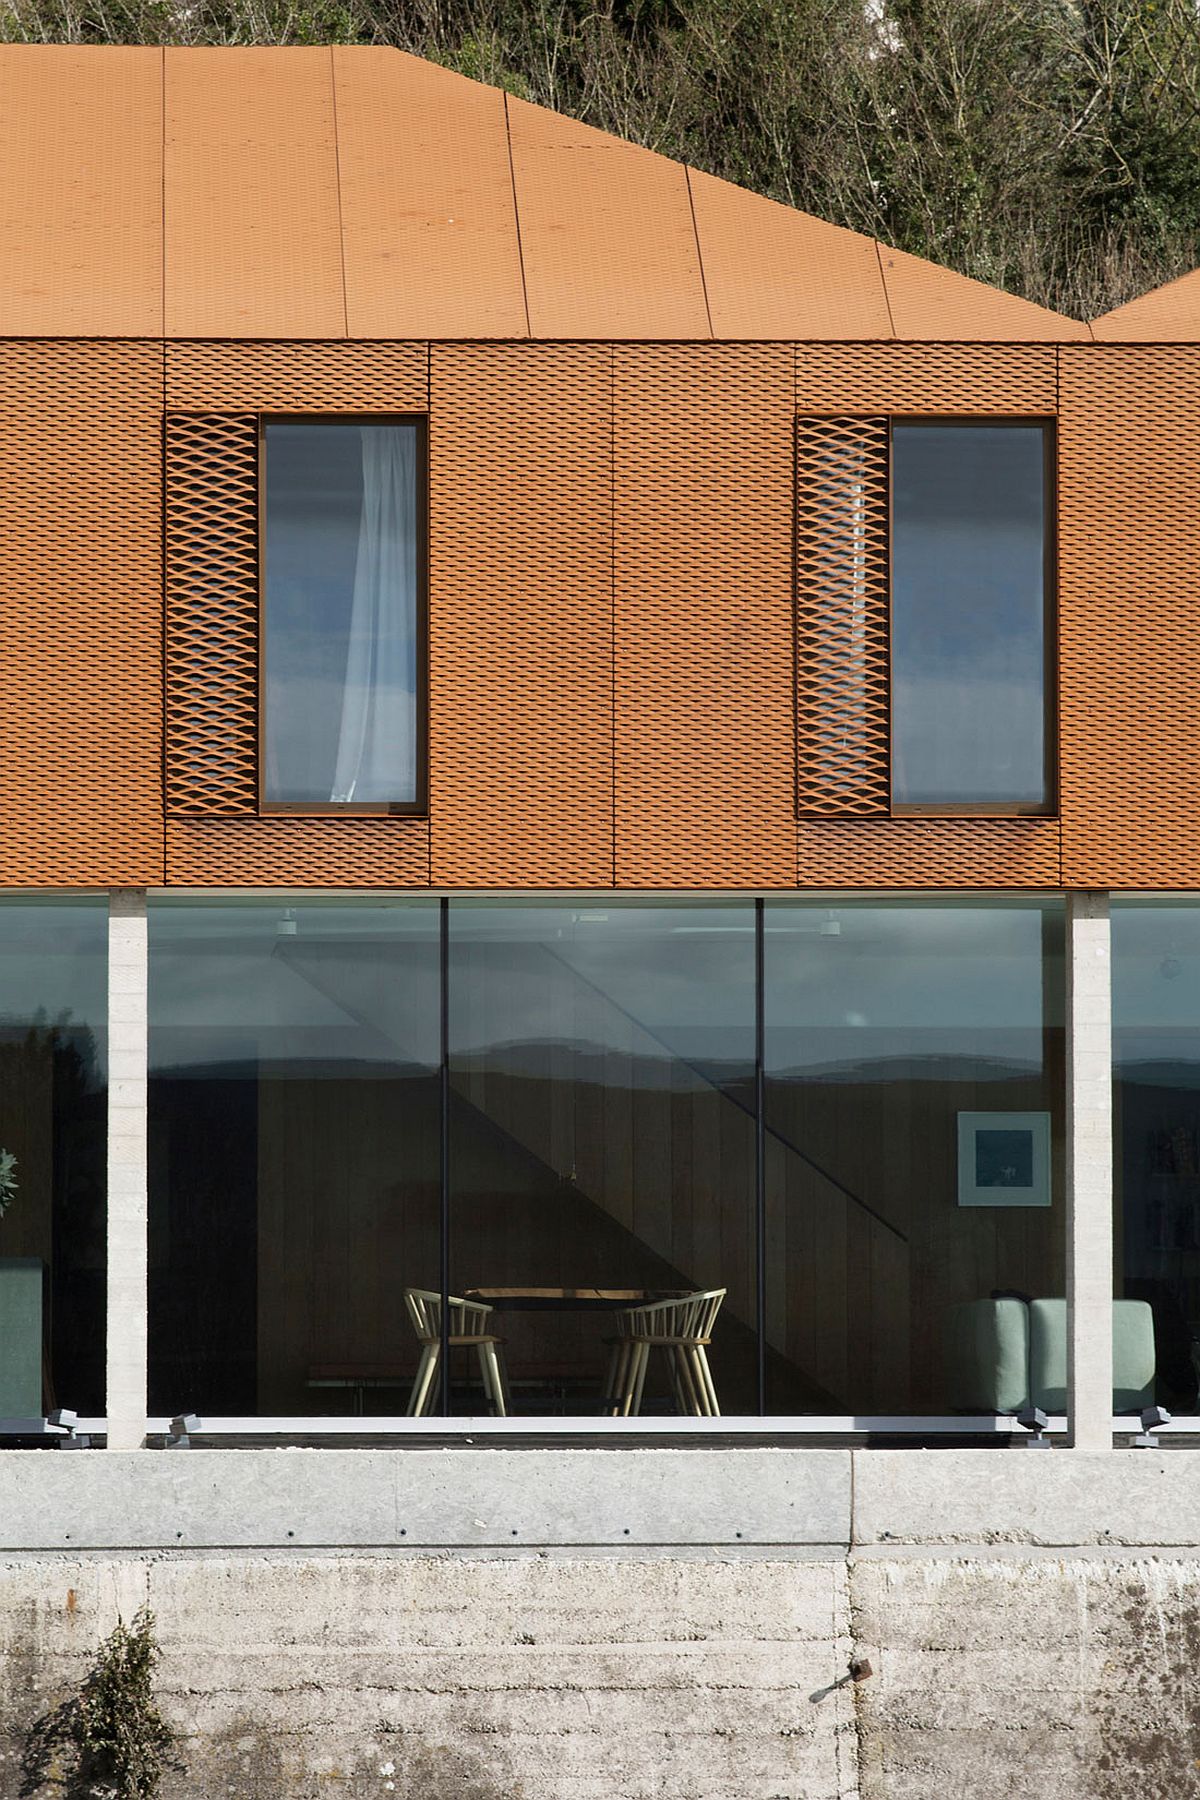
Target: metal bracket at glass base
x=54, y=1432
x=1035, y=1422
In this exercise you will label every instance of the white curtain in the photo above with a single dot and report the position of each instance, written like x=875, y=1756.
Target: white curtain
x=377, y=740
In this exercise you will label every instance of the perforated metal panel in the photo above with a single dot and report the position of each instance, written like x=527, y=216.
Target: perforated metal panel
x=705, y=687
x=1129, y=608
x=331, y=377
x=932, y=853
x=298, y=852
x=926, y=378
x=212, y=614
x=215, y=392
x=81, y=587
x=842, y=618
x=521, y=615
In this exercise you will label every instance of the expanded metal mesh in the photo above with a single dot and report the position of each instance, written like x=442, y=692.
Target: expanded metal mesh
x=935, y=853
x=705, y=632
x=283, y=852
x=926, y=378
x=841, y=618
x=212, y=615
x=297, y=377
x=521, y=614
x=1129, y=615
x=81, y=580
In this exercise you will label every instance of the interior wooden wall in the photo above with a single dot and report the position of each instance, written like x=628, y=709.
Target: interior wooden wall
x=616, y=1164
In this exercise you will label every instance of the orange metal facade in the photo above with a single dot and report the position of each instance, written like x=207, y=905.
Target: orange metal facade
x=521, y=720
x=617, y=633
x=81, y=597
x=629, y=640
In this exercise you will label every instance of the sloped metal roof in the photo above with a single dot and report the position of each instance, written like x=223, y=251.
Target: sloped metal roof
x=362, y=193
x=1166, y=315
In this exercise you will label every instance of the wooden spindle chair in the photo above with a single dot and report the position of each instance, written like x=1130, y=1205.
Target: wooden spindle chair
x=468, y=1329
x=683, y=1328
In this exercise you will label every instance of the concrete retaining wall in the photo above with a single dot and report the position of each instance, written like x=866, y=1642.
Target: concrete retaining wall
x=1032, y=1620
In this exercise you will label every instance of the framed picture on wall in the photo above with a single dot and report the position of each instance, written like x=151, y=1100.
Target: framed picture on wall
x=1004, y=1159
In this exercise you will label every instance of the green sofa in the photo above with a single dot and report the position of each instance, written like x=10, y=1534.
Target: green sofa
x=1005, y=1354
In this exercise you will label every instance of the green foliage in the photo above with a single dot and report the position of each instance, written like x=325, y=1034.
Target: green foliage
x=1051, y=147
x=113, y=1740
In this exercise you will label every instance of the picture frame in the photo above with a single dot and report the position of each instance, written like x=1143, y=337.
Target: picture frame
x=1004, y=1159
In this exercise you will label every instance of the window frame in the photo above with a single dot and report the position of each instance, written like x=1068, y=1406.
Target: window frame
x=1047, y=423
x=418, y=806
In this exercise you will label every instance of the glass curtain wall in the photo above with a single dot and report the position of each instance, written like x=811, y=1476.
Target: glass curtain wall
x=53, y=1153
x=294, y=1153
x=914, y=1089
x=590, y=1117
x=602, y=1143
x=1156, y=1074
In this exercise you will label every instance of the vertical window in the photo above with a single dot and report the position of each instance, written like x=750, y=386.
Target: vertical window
x=341, y=658
x=53, y=1126
x=969, y=617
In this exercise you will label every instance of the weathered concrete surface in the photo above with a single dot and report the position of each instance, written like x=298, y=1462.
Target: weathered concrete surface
x=1075, y=1678
x=462, y=1498
x=476, y=1679
x=1026, y=1638
x=1057, y=1498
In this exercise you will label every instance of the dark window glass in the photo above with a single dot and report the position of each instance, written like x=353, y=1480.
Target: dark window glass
x=968, y=616
x=293, y=1153
x=1156, y=1070
x=602, y=1144
x=341, y=614
x=53, y=1125
x=914, y=1119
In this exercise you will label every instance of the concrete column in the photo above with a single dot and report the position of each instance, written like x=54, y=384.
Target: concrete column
x=127, y=1204
x=1089, y=1171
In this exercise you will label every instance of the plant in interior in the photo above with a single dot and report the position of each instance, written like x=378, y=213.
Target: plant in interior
x=8, y=1185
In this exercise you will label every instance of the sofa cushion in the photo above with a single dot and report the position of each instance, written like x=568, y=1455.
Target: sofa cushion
x=1133, y=1355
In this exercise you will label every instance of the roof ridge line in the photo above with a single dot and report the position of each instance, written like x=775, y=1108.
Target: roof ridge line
x=687, y=175
x=512, y=176
x=887, y=298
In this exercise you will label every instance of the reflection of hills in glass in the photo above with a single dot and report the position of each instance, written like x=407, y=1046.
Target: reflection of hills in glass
x=1159, y=1072
x=557, y=1059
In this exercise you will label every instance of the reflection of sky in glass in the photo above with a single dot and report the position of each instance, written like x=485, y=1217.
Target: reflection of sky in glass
x=908, y=981
x=53, y=969
x=314, y=510
x=967, y=614
x=305, y=983
x=1156, y=991
x=684, y=973
x=845, y=984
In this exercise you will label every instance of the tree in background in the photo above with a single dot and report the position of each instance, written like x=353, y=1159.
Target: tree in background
x=1050, y=147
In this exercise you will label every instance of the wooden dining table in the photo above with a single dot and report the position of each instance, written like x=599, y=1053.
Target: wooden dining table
x=569, y=1299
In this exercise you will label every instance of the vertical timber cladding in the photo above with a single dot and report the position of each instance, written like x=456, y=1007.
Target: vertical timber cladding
x=703, y=505
x=521, y=615
x=930, y=380
x=81, y=575
x=214, y=394
x=1129, y=497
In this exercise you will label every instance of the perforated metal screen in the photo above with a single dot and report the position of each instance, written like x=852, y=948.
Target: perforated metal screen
x=1129, y=605
x=212, y=614
x=616, y=692
x=842, y=618
x=81, y=601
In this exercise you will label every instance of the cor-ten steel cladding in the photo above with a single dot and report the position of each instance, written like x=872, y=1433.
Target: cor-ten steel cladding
x=616, y=695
